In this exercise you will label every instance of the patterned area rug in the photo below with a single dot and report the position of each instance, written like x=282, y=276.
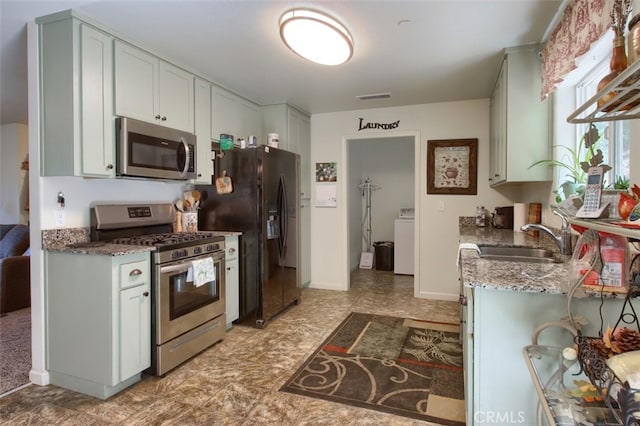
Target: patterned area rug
x=15, y=349
x=400, y=366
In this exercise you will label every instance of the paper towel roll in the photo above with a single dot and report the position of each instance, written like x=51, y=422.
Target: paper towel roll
x=519, y=216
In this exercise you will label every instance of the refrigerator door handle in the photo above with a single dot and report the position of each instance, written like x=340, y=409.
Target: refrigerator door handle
x=282, y=215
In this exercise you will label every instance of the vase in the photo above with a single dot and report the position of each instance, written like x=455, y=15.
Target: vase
x=617, y=65
x=626, y=204
x=189, y=222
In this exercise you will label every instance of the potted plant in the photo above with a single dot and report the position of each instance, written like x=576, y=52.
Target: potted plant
x=575, y=167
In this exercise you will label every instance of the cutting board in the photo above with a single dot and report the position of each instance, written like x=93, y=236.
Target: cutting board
x=534, y=216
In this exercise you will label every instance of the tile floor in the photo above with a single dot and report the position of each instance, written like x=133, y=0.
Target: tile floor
x=236, y=382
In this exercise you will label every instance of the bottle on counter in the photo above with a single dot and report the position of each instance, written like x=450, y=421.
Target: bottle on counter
x=482, y=217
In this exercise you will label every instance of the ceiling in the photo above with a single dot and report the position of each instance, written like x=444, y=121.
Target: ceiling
x=419, y=51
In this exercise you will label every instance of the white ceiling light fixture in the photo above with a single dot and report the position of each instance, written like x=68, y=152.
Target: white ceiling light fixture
x=316, y=36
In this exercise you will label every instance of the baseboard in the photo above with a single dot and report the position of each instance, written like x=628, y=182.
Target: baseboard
x=40, y=378
x=438, y=296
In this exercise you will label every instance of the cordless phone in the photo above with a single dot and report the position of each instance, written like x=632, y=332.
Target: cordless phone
x=592, y=207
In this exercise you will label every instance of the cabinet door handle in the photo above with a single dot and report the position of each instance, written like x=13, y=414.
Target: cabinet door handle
x=164, y=118
x=228, y=268
x=232, y=250
x=145, y=294
x=135, y=272
x=157, y=117
x=109, y=166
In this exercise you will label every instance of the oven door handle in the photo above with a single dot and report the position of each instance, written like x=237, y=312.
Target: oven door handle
x=182, y=267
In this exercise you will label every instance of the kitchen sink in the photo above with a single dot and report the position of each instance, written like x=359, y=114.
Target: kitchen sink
x=518, y=254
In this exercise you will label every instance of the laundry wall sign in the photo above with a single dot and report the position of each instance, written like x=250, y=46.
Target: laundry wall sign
x=382, y=126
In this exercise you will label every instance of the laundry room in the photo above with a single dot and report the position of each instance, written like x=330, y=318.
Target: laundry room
x=381, y=184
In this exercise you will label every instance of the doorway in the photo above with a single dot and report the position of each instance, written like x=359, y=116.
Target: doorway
x=391, y=162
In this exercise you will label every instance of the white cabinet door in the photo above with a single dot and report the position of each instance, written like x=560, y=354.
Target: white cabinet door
x=175, y=98
x=497, y=171
x=224, y=117
x=76, y=88
x=204, y=164
x=135, y=330
x=233, y=292
x=305, y=242
x=299, y=138
x=233, y=115
x=249, y=119
x=97, y=129
x=152, y=90
x=520, y=121
x=232, y=279
x=136, y=83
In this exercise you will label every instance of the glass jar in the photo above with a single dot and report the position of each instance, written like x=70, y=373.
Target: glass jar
x=482, y=217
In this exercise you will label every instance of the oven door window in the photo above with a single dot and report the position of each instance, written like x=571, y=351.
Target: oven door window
x=185, y=296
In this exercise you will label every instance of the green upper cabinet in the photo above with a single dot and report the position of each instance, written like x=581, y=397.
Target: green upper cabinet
x=520, y=132
x=76, y=88
x=152, y=90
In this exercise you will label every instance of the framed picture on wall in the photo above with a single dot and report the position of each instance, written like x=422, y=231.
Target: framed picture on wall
x=452, y=166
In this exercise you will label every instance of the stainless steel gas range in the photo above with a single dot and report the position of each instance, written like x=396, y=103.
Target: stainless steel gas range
x=188, y=287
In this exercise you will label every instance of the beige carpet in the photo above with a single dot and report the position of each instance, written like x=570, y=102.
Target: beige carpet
x=15, y=349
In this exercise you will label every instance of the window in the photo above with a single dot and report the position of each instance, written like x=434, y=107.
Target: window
x=615, y=134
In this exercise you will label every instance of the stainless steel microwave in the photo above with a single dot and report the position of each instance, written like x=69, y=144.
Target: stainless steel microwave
x=151, y=151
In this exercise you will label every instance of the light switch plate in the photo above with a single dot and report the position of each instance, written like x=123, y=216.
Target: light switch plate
x=58, y=218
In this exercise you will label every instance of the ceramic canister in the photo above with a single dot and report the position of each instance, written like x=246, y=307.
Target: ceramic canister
x=273, y=140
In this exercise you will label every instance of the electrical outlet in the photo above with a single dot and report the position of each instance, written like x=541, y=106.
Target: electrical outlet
x=58, y=218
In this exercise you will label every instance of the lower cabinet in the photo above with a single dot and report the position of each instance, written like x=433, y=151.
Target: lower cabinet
x=232, y=279
x=98, y=327
x=497, y=325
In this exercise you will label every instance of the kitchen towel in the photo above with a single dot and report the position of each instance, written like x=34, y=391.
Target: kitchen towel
x=204, y=271
x=519, y=216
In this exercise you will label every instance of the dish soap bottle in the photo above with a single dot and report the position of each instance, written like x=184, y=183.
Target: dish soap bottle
x=482, y=217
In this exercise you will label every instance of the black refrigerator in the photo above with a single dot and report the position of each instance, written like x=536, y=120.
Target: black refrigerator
x=264, y=205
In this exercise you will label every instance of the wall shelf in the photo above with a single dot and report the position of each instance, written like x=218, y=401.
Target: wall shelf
x=624, y=105
x=606, y=226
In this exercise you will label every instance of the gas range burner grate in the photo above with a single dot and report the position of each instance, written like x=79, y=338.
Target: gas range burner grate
x=165, y=239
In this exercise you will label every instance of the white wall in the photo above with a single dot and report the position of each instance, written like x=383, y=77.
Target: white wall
x=81, y=193
x=14, y=149
x=437, y=231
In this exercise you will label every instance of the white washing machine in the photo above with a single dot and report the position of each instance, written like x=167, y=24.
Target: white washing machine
x=403, y=245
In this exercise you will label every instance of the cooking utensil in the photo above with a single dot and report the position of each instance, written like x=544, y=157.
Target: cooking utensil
x=180, y=205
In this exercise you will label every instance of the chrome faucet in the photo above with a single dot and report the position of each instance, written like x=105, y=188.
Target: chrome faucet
x=564, y=241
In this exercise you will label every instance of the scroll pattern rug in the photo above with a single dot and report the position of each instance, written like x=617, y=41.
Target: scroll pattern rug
x=15, y=349
x=400, y=366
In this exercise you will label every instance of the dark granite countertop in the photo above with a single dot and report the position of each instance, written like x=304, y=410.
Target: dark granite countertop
x=77, y=241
